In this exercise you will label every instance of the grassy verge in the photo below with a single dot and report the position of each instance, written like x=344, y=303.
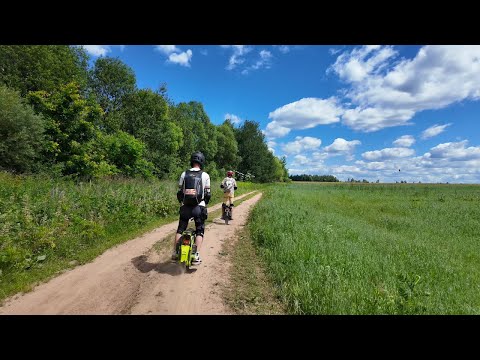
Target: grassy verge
x=250, y=291
x=47, y=226
x=372, y=249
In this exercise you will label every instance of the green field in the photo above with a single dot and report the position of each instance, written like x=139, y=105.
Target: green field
x=372, y=248
x=48, y=225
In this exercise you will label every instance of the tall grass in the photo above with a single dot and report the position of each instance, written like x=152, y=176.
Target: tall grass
x=46, y=224
x=372, y=249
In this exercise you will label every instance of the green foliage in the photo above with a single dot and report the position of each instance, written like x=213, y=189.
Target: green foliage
x=372, y=249
x=21, y=133
x=88, y=114
x=199, y=134
x=60, y=219
x=279, y=174
x=318, y=178
x=126, y=153
x=111, y=81
x=42, y=67
x=70, y=130
x=146, y=116
x=352, y=180
x=227, y=154
x=45, y=223
x=285, y=177
x=255, y=156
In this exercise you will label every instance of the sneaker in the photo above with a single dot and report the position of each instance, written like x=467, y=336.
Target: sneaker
x=174, y=255
x=197, y=259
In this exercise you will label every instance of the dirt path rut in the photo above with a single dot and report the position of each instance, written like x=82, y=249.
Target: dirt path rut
x=133, y=278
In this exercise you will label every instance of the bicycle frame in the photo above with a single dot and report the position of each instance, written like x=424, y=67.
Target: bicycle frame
x=187, y=244
x=226, y=213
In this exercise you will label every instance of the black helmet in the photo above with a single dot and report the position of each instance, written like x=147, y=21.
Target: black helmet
x=197, y=157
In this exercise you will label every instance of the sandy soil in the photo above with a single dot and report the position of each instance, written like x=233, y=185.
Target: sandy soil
x=134, y=278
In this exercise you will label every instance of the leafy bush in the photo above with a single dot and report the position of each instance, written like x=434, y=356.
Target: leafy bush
x=21, y=133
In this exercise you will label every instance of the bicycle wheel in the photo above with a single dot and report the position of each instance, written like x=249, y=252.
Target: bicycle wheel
x=189, y=259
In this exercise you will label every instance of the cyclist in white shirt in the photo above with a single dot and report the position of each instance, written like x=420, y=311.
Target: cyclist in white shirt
x=194, y=194
x=229, y=185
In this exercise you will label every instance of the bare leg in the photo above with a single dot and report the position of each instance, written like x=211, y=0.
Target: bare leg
x=224, y=203
x=198, y=241
x=177, y=237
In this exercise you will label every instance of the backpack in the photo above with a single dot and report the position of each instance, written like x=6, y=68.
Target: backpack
x=192, y=188
x=228, y=186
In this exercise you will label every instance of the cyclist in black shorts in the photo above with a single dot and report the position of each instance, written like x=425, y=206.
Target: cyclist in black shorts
x=194, y=194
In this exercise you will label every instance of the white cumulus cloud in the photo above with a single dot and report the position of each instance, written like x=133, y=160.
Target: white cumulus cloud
x=275, y=130
x=263, y=61
x=404, y=141
x=283, y=48
x=388, y=153
x=455, y=151
x=303, y=114
x=167, y=49
x=101, y=50
x=374, y=119
x=238, y=56
x=97, y=50
x=271, y=146
x=302, y=144
x=389, y=93
x=434, y=130
x=340, y=145
x=182, y=58
x=355, y=66
x=175, y=54
x=234, y=118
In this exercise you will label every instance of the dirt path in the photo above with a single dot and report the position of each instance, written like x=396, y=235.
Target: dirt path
x=133, y=278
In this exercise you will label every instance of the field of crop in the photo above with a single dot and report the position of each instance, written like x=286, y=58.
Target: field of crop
x=48, y=225
x=372, y=248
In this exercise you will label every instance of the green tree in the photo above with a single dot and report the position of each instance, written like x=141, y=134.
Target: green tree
x=145, y=115
x=70, y=131
x=126, y=153
x=199, y=134
x=21, y=133
x=227, y=151
x=180, y=115
x=42, y=67
x=279, y=170
x=256, y=158
x=111, y=81
x=320, y=178
x=285, y=177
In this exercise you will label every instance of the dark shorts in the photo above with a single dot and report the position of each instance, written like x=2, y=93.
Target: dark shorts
x=199, y=214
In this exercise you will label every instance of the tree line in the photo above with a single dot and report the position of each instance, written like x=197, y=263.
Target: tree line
x=63, y=117
x=319, y=178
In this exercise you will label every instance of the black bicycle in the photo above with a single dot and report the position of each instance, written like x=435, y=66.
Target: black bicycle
x=186, y=248
x=226, y=213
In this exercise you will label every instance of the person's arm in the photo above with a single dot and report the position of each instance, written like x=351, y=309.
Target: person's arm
x=234, y=184
x=180, y=184
x=221, y=184
x=182, y=177
x=208, y=193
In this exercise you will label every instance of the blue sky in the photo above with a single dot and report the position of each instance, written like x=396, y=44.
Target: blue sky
x=351, y=111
